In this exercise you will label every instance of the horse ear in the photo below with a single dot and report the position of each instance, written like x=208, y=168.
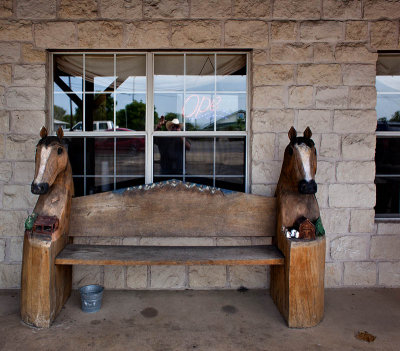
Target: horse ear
x=43, y=132
x=307, y=133
x=60, y=133
x=292, y=133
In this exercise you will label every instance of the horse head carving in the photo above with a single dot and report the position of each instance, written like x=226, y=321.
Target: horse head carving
x=296, y=186
x=299, y=164
x=51, y=159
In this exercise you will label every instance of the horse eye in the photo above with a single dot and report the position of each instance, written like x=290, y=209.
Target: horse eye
x=60, y=150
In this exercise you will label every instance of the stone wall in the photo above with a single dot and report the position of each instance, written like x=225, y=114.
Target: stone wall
x=313, y=64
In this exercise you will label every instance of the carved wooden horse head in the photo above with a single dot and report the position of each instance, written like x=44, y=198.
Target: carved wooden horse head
x=51, y=159
x=299, y=164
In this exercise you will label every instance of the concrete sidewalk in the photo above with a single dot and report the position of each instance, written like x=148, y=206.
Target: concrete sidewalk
x=206, y=320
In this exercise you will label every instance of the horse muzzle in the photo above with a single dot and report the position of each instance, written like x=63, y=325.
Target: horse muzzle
x=307, y=187
x=39, y=188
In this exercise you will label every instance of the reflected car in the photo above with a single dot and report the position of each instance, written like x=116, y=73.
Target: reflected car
x=125, y=144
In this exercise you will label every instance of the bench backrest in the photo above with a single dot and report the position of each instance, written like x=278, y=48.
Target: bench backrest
x=173, y=209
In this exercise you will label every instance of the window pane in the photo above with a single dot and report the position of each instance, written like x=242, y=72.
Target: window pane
x=131, y=112
x=230, y=156
x=168, y=73
x=130, y=156
x=387, y=156
x=200, y=73
x=199, y=111
x=126, y=182
x=231, y=111
x=68, y=73
x=99, y=107
x=200, y=156
x=235, y=184
x=68, y=111
x=387, y=195
x=78, y=186
x=75, y=154
x=168, y=155
x=131, y=73
x=168, y=105
x=388, y=103
x=99, y=73
x=200, y=180
x=100, y=156
x=231, y=72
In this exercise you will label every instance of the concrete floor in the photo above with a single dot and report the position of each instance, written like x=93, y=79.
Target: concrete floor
x=206, y=320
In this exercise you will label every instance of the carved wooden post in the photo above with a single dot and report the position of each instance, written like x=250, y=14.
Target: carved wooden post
x=45, y=287
x=297, y=288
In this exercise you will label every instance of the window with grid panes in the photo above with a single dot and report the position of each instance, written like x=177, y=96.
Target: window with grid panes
x=387, y=157
x=133, y=118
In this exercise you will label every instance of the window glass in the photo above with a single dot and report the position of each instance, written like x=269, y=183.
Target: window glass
x=387, y=156
x=131, y=112
x=200, y=73
x=388, y=103
x=68, y=73
x=99, y=107
x=68, y=111
x=101, y=102
x=99, y=73
x=131, y=73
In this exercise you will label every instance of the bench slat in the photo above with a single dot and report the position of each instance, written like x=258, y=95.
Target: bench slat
x=169, y=255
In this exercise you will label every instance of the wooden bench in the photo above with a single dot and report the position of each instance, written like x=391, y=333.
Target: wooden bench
x=167, y=209
x=170, y=209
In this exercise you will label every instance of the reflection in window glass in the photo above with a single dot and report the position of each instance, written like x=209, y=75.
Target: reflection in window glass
x=99, y=73
x=220, y=158
x=231, y=73
x=200, y=159
x=169, y=155
x=199, y=111
x=387, y=196
x=200, y=73
x=68, y=73
x=75, y=153
x=231, y=111
x=387, y=156
x=168, y=73
x=168, y=105
x=388, y=103
x=232, y=183
x=230, y=156
x=131, y=73
x=67, y=111
x=131, y=112
x=130, y=155
x=107, y=93
x=99, y=107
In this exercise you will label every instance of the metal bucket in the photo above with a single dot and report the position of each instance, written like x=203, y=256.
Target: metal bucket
x=91, y=296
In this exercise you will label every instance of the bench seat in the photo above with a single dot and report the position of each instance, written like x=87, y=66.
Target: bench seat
x=74, y=254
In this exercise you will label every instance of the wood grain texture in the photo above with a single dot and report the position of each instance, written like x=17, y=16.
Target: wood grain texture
x=169, y=255
x=177, y=211
x=297, y=287
x=44, y=286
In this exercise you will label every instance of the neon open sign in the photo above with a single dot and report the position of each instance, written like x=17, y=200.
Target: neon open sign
x=195, y=105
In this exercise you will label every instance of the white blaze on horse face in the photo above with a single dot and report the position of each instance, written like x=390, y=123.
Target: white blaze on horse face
x=305, y=156
x=44, y=157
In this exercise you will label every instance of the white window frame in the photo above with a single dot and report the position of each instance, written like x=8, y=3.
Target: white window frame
x=150, y=133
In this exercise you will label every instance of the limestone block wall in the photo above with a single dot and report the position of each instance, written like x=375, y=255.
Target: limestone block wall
x=313, y=63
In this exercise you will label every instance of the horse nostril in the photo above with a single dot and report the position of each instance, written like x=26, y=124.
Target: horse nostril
x=307, y=187
x=40, y=188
